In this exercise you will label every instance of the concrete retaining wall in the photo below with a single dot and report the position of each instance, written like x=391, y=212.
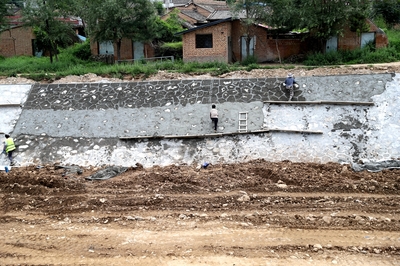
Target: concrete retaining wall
x=84, y=124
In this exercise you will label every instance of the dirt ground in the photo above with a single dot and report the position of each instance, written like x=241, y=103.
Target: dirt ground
x=254, y=213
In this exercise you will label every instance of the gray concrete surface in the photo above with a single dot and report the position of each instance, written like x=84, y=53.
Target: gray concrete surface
x=82, y=123
x=12, y=96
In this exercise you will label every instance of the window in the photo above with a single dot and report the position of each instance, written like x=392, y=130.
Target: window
x=204, y=41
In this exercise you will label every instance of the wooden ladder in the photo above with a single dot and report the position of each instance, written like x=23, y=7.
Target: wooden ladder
x=242, y=122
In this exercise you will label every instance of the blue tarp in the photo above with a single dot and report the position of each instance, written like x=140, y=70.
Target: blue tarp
x=82, y=38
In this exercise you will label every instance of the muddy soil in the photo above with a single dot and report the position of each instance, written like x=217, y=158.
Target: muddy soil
x=254, y=213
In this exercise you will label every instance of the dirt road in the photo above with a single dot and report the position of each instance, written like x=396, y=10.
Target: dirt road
x=256, y=213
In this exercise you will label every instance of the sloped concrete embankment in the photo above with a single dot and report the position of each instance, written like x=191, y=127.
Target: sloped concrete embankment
x=167, y=122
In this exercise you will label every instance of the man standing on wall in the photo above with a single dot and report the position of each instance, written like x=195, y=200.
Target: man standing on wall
x=214, y=116
x=290, y=82
x=8, y=148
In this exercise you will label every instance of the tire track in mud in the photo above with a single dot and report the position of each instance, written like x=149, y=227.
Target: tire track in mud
x=258, y=213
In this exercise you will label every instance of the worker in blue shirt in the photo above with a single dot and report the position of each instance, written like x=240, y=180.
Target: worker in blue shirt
x=289, y=83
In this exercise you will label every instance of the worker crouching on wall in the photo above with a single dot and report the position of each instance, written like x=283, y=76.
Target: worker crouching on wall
x=290, y=83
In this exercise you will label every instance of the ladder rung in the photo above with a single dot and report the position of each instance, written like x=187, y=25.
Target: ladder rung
x=242, y=122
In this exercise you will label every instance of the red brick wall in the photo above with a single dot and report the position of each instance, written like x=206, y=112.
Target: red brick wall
x=126, y=49
x=16, y=41
x=94, y=47
x=351, y=40
x=236, y=33
x=219, y=52
x=149, y=50
x=283, y=48
x=265, y=48
x=381, y=40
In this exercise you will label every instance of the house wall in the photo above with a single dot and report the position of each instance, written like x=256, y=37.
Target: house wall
x=349, y=41
x=381, y=39
x=352, y=40
x=219, y=52
x=266, y=48
x=149, y=50
x=16, y=41
x=283, y=48
x=126, y=49
x=94, y=48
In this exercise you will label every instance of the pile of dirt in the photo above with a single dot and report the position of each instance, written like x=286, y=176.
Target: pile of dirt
x=245, y=213
x=259, y=183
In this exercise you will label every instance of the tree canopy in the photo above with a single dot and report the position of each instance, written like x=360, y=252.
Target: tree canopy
x=47, y=20
x=388, y=9
x=113, y=20
x=3, y=13
x=325, y=18
x=322, y=18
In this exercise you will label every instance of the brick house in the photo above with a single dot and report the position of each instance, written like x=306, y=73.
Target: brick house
x=350, y=40
x=18, y=39
x=224, y=40
x=129, y=49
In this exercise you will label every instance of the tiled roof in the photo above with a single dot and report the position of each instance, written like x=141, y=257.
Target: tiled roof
x=16, y=20
x=195, y=15
x=222, y=14
x=213, y=7
x=204, y=26
x=181, y=2
x=209, y=2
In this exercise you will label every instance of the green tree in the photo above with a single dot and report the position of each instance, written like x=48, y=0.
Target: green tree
x=249, y=12
x=326, y=18
x=166, y=29
x=17, y=3
x=47, y=18
x=4, y=12
x=113, y=20
x=388, y=9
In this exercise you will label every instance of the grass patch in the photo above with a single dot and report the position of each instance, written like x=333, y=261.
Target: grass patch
x=75, y=60
x=366, y=55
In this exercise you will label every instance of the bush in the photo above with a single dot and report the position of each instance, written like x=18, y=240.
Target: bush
x=394, y=39
x=251, y=59
x=250, y=67
x=366, y=55
x=170, y=49
x=82, y=50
